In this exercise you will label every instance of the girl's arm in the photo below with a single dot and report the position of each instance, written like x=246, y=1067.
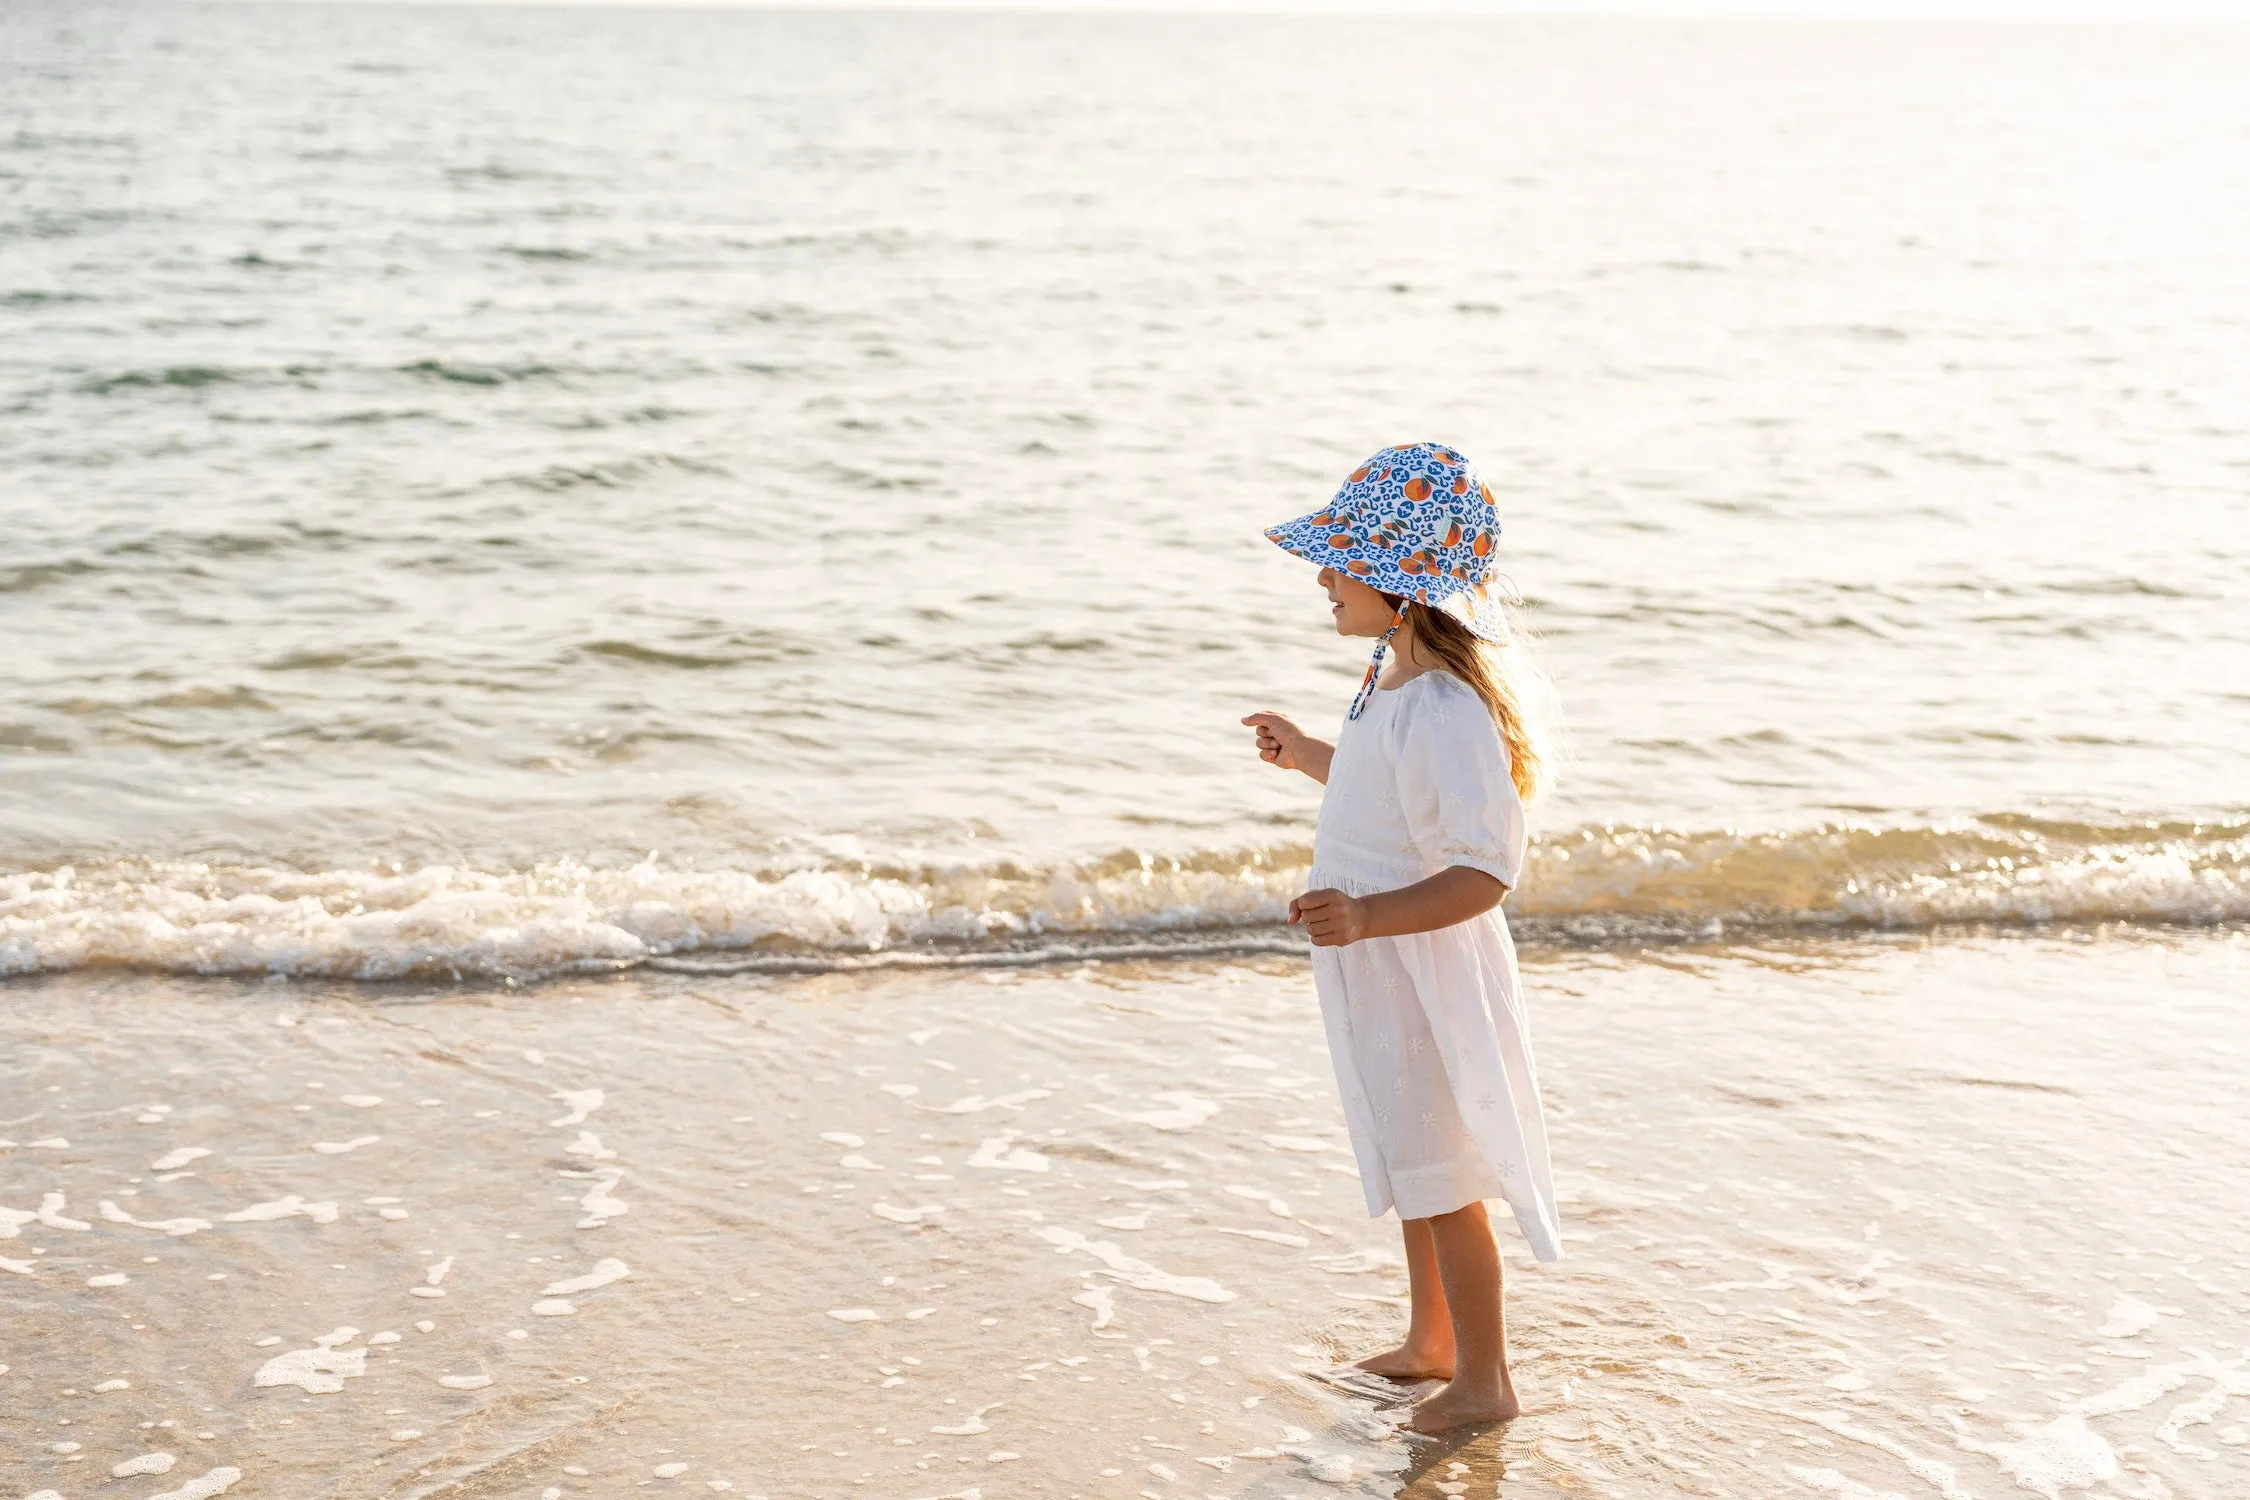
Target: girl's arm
x=1283, y=744
x=1453, y=895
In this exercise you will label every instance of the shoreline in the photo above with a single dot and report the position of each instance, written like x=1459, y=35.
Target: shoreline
x=1825, y=1208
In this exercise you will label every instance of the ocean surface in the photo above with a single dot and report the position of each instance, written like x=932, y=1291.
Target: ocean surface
x=492, y=491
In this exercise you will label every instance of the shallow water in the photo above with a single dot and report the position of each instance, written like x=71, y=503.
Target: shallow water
x=1922, y=1218
x=838, y=445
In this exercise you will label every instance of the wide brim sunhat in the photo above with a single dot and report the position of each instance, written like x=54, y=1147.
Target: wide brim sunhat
x=1416, y=522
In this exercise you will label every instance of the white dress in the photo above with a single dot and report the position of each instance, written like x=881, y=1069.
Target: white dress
x=1428, y=1033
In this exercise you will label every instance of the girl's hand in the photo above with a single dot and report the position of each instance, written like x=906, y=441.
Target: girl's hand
x=1278, y=740
x=1333, y=918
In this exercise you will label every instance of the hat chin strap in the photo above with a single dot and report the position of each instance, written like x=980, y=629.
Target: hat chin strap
x=1367, y=683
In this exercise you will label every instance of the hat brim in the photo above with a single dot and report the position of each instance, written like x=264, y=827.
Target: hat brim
x=1308, y=537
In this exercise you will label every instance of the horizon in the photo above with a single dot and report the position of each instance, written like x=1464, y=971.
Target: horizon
x=2219, y=13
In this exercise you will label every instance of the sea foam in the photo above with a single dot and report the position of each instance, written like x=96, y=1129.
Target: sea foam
x=1596, y=884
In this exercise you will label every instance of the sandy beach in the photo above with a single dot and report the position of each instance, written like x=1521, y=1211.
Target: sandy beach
x=1921, y=1217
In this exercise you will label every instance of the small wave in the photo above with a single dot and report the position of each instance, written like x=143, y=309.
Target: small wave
x=37, y=298
x=461, y=373
x=656, y=656
x=24, y=578
x=1593, y=886
x=178, y=377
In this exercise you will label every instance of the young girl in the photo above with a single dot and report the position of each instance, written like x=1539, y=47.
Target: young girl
x=1421, y=836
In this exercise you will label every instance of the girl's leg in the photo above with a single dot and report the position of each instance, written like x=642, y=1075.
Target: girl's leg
x=1468, y=1263
x=1427, y=1353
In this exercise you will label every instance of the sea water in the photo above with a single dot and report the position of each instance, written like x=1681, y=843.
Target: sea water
x=498, y=490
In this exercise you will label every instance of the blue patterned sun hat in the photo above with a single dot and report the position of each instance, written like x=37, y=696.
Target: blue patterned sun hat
x=1416, y=521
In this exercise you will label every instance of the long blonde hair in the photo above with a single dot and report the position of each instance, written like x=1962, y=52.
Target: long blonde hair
x=1514, y=690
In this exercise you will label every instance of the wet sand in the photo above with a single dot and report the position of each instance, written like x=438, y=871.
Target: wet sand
x=1945, y=1217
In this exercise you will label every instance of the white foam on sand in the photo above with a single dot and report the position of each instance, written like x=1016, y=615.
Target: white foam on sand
x=111, y=1213
x=973, y=1425
x=975, y=1104
x=906, y=1215
x=2128, y=1316
x=2203, y=1409
x=464, y=1382
x=1829, y=1482
x=1298, y=1143
x=284, y=1208
x=1134, y=1273
x=581, y=1102
x=1274, y=1204
x=1102, y=1300
x=2142, y=1390
x=50, y=1213
x=344, y=1148
x=599, y=1205
x=147, y=1463
x=1935, y=1472
x=589, y=1145
x=172, y=1161
x=1360, y=1262
x=855, y=1314
x=1270, y=1236
x=1125, y=1221
x=214, y=1483
x=112, y=1278
x=321, y=1370
x=843, y=1138
x=362, y=1101
x=901, y=1090
x=605, y=1271
x=1185, y=1113
x=2051, y=1457
x=1000, y=1153
x=552, y=1307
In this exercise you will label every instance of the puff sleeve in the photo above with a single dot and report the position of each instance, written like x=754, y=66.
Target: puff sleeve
x=1454, y=787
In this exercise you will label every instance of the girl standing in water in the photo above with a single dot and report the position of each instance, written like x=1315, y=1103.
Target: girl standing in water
x=1421, y=836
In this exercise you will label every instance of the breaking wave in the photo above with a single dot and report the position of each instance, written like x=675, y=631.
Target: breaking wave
x=1592, y=886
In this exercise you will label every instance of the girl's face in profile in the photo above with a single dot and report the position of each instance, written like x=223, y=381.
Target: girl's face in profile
x=1359, y=608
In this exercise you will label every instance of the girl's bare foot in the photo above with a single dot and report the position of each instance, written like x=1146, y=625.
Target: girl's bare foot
x=1459, y=1404
x=1410, y=1362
